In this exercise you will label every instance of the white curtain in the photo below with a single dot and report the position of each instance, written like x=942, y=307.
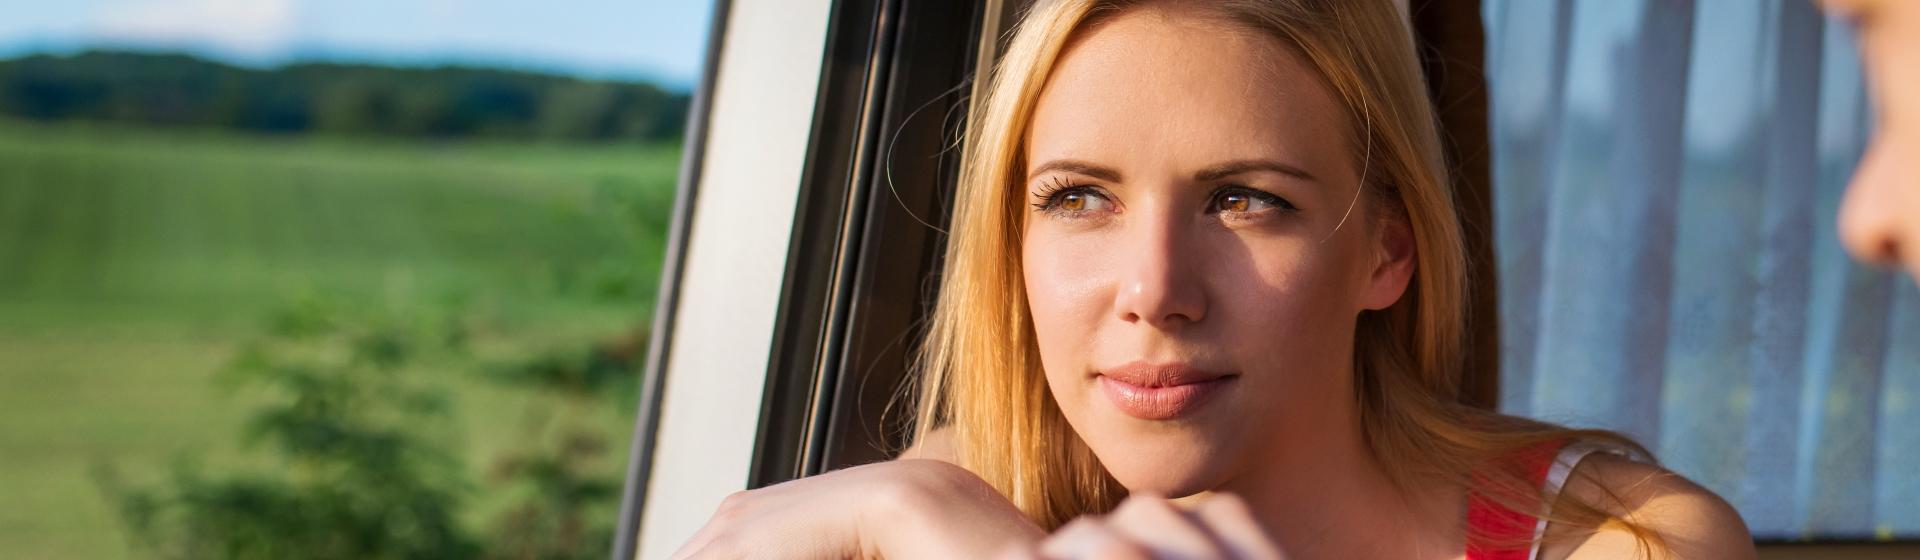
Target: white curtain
x=1667, y=175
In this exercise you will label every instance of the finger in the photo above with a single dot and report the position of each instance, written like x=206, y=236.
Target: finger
x=1088, y=537
x=1164, y=528
x=1230, y=519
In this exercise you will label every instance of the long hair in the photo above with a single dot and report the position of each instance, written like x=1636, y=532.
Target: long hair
x=981, y=380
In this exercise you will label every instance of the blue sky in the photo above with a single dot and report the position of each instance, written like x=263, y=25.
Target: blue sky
x=657, y=40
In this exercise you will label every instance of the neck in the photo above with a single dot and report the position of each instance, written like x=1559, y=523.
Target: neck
x=1338, y=501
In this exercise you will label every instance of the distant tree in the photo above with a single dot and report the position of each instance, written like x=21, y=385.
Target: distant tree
x=358, y=107
x=357, y=99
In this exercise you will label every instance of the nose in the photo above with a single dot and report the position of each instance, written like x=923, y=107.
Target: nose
x=1869, y=215
x=1161, y=279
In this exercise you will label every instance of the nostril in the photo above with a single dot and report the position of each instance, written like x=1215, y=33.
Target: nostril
x=1890, y=251
x=1869, y=237
x=1875, y=246
x=1881, y=251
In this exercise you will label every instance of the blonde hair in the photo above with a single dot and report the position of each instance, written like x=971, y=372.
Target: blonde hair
x=981, y=379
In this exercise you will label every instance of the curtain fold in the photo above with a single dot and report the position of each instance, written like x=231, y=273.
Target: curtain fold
x=1666, y=176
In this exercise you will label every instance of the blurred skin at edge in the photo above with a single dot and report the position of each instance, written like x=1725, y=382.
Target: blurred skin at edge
x=1880, y=215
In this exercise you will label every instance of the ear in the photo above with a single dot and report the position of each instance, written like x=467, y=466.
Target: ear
x=1394, y=259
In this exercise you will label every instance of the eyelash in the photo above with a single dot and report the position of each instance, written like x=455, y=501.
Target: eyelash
x=1047, y=198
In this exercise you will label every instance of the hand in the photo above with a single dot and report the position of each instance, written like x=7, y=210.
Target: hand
x=909, y=508
x=1149, y=527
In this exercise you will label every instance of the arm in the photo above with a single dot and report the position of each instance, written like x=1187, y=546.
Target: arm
x=994, y=515
x=1148, y=526
x=913, y=507
x=1145, y=526
x=950, y=513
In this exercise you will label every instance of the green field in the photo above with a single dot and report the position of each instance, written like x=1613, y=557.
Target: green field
x=134, y=261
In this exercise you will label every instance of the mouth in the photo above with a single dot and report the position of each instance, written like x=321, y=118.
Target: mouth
x=1160, y=392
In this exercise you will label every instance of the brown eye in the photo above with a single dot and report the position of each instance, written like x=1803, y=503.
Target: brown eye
x=1073, y=201
x=1243, y=200
x=1235, y=202
x=1077, y=201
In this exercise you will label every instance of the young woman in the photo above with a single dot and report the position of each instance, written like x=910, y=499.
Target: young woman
x=1204, y=299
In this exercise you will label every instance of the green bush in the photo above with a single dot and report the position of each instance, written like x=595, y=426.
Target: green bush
x=361, y=475
x=357, y=436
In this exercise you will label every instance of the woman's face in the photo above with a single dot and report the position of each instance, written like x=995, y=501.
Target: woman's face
x=1195, y=254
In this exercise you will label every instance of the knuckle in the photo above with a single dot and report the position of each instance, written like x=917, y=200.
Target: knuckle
x=736, y=499
x=733, y=507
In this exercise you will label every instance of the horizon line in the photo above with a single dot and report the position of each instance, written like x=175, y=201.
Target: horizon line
x=323, y=54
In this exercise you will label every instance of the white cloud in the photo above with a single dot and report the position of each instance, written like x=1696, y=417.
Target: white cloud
x=255, y=27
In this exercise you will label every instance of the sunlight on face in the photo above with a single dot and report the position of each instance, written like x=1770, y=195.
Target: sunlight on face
x=1195, y=254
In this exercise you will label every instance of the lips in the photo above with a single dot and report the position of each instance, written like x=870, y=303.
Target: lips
x=1160, y=392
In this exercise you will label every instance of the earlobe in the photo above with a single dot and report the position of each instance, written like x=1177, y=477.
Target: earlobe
x=1394, y=261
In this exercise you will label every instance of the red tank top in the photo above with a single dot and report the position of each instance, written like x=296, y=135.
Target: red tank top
x=1492, y=529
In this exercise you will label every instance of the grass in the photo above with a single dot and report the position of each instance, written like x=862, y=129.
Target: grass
x=134, y=261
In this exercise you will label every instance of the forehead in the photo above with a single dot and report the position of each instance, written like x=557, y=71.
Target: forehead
x=1163, y=86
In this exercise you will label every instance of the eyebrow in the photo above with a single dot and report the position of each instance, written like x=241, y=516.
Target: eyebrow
x=1213, y=173
x=1237, y=167
x=1076, y=166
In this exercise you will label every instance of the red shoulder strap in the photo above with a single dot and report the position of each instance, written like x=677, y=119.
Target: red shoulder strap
x=1491, y=528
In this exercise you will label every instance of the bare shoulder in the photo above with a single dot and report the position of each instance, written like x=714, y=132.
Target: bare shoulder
x=1692, y=521
x=937, y=445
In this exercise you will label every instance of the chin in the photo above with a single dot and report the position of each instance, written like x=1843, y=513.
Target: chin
x=1163, y=465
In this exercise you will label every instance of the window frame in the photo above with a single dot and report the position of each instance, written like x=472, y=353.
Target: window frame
x=639, y=466
x=867, y=241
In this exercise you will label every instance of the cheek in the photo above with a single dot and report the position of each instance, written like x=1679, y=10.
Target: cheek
x=1293, y=280
x=1066, y=285
x=1286, y=302
x=1286, y=315
x=1065, y=278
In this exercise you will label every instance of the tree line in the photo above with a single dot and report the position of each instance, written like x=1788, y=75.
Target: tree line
x=355, y=99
